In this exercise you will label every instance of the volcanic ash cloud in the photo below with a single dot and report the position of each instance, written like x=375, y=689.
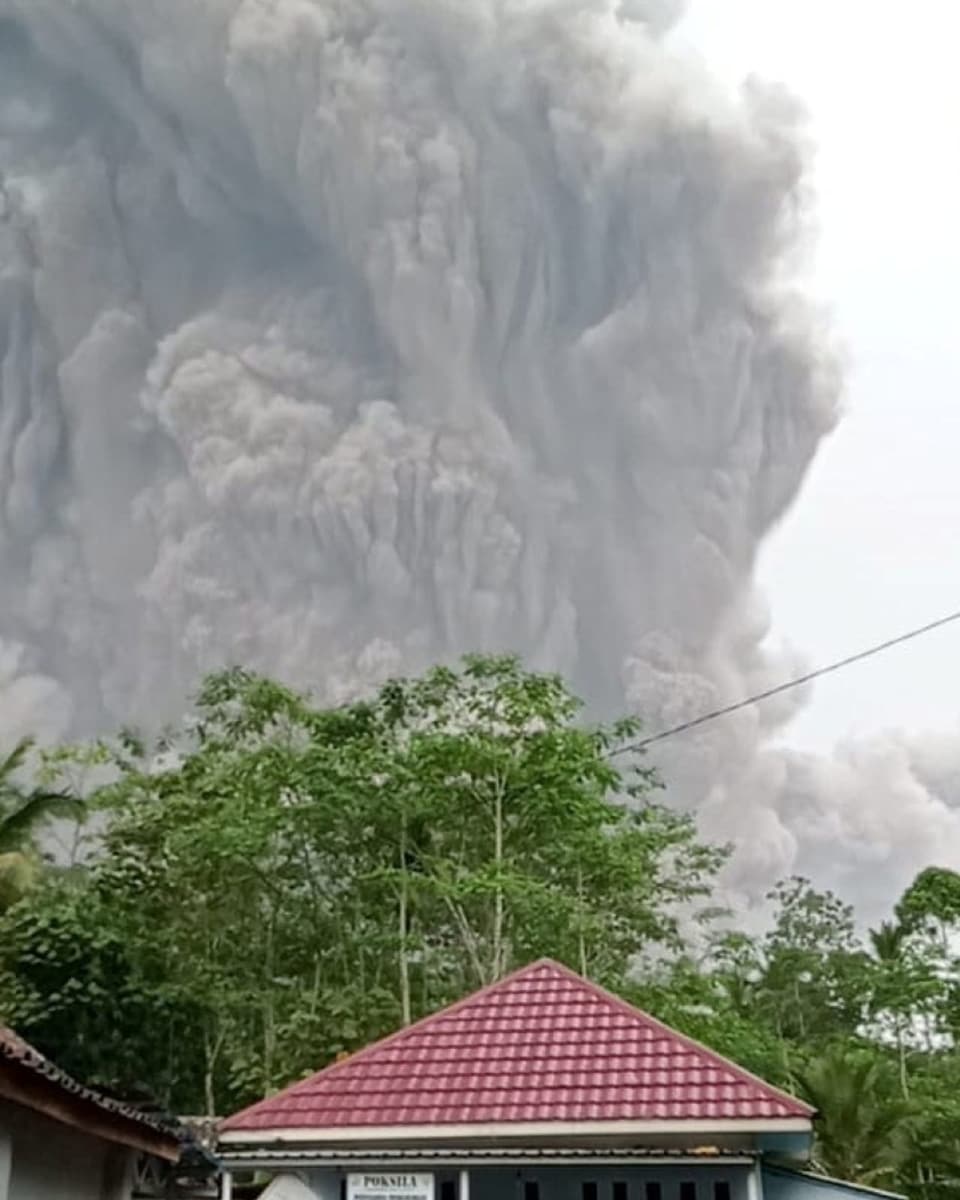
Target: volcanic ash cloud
x=342, y=336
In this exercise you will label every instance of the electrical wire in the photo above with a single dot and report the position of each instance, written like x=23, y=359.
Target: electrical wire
x=716, y=713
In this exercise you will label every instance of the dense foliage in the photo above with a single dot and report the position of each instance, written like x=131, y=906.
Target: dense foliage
x=274, y=883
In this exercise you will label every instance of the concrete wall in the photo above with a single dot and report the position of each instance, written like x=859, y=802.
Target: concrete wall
x=566, y=1183
x=50, y=1161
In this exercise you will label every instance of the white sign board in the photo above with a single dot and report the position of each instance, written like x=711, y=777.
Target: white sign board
x=389, y=1185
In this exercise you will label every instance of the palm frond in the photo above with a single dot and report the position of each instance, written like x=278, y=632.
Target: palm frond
x=15, y=759
x=888, y=941
x=863, y=1126
x=18, y=825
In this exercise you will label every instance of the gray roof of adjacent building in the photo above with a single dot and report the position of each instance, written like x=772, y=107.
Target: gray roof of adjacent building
x=29, y=1078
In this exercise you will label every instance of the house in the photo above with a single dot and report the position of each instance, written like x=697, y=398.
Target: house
x=541, y=1087
x=59, y=1138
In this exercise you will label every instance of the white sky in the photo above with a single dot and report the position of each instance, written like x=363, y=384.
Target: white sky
x=871, y=548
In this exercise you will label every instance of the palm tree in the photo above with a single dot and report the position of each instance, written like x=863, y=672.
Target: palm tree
x=889, y=943
x=864, y=1123
x=23, y=812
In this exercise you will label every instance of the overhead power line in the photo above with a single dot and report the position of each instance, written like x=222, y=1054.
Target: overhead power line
x=716, y=713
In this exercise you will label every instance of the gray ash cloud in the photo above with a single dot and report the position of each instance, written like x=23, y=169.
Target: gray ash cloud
x=341, y=336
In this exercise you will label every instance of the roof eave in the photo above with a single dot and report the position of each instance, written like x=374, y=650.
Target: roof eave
x=515, y=1132
x=20, y=1084
x=459, y=1157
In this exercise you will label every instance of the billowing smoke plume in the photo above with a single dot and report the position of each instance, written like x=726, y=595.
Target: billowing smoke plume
x=341, y=336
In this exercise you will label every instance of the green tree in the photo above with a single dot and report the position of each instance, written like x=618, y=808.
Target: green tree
x=814, y=969
x=903, y=987
x=532, y=845
x=863, y=1125
x=68, y=984
x=932, y=901
x=933, y=1168
x=929, y=914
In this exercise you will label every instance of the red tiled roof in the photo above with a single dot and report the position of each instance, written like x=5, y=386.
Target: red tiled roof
x=542, y=1045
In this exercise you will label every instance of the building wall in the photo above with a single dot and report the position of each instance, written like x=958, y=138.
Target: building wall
x=6, y=1158
x=566, y=1183
x=325, y=1185
x=51, y=1161
x=782, y=1184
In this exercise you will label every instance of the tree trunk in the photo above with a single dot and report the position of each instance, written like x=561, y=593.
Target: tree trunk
x=902, y=1053
x=580, y=934
x=211, y=1052
x=406, y=1008
x=469, y=940
x=269, y=1014
x=499, y=964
